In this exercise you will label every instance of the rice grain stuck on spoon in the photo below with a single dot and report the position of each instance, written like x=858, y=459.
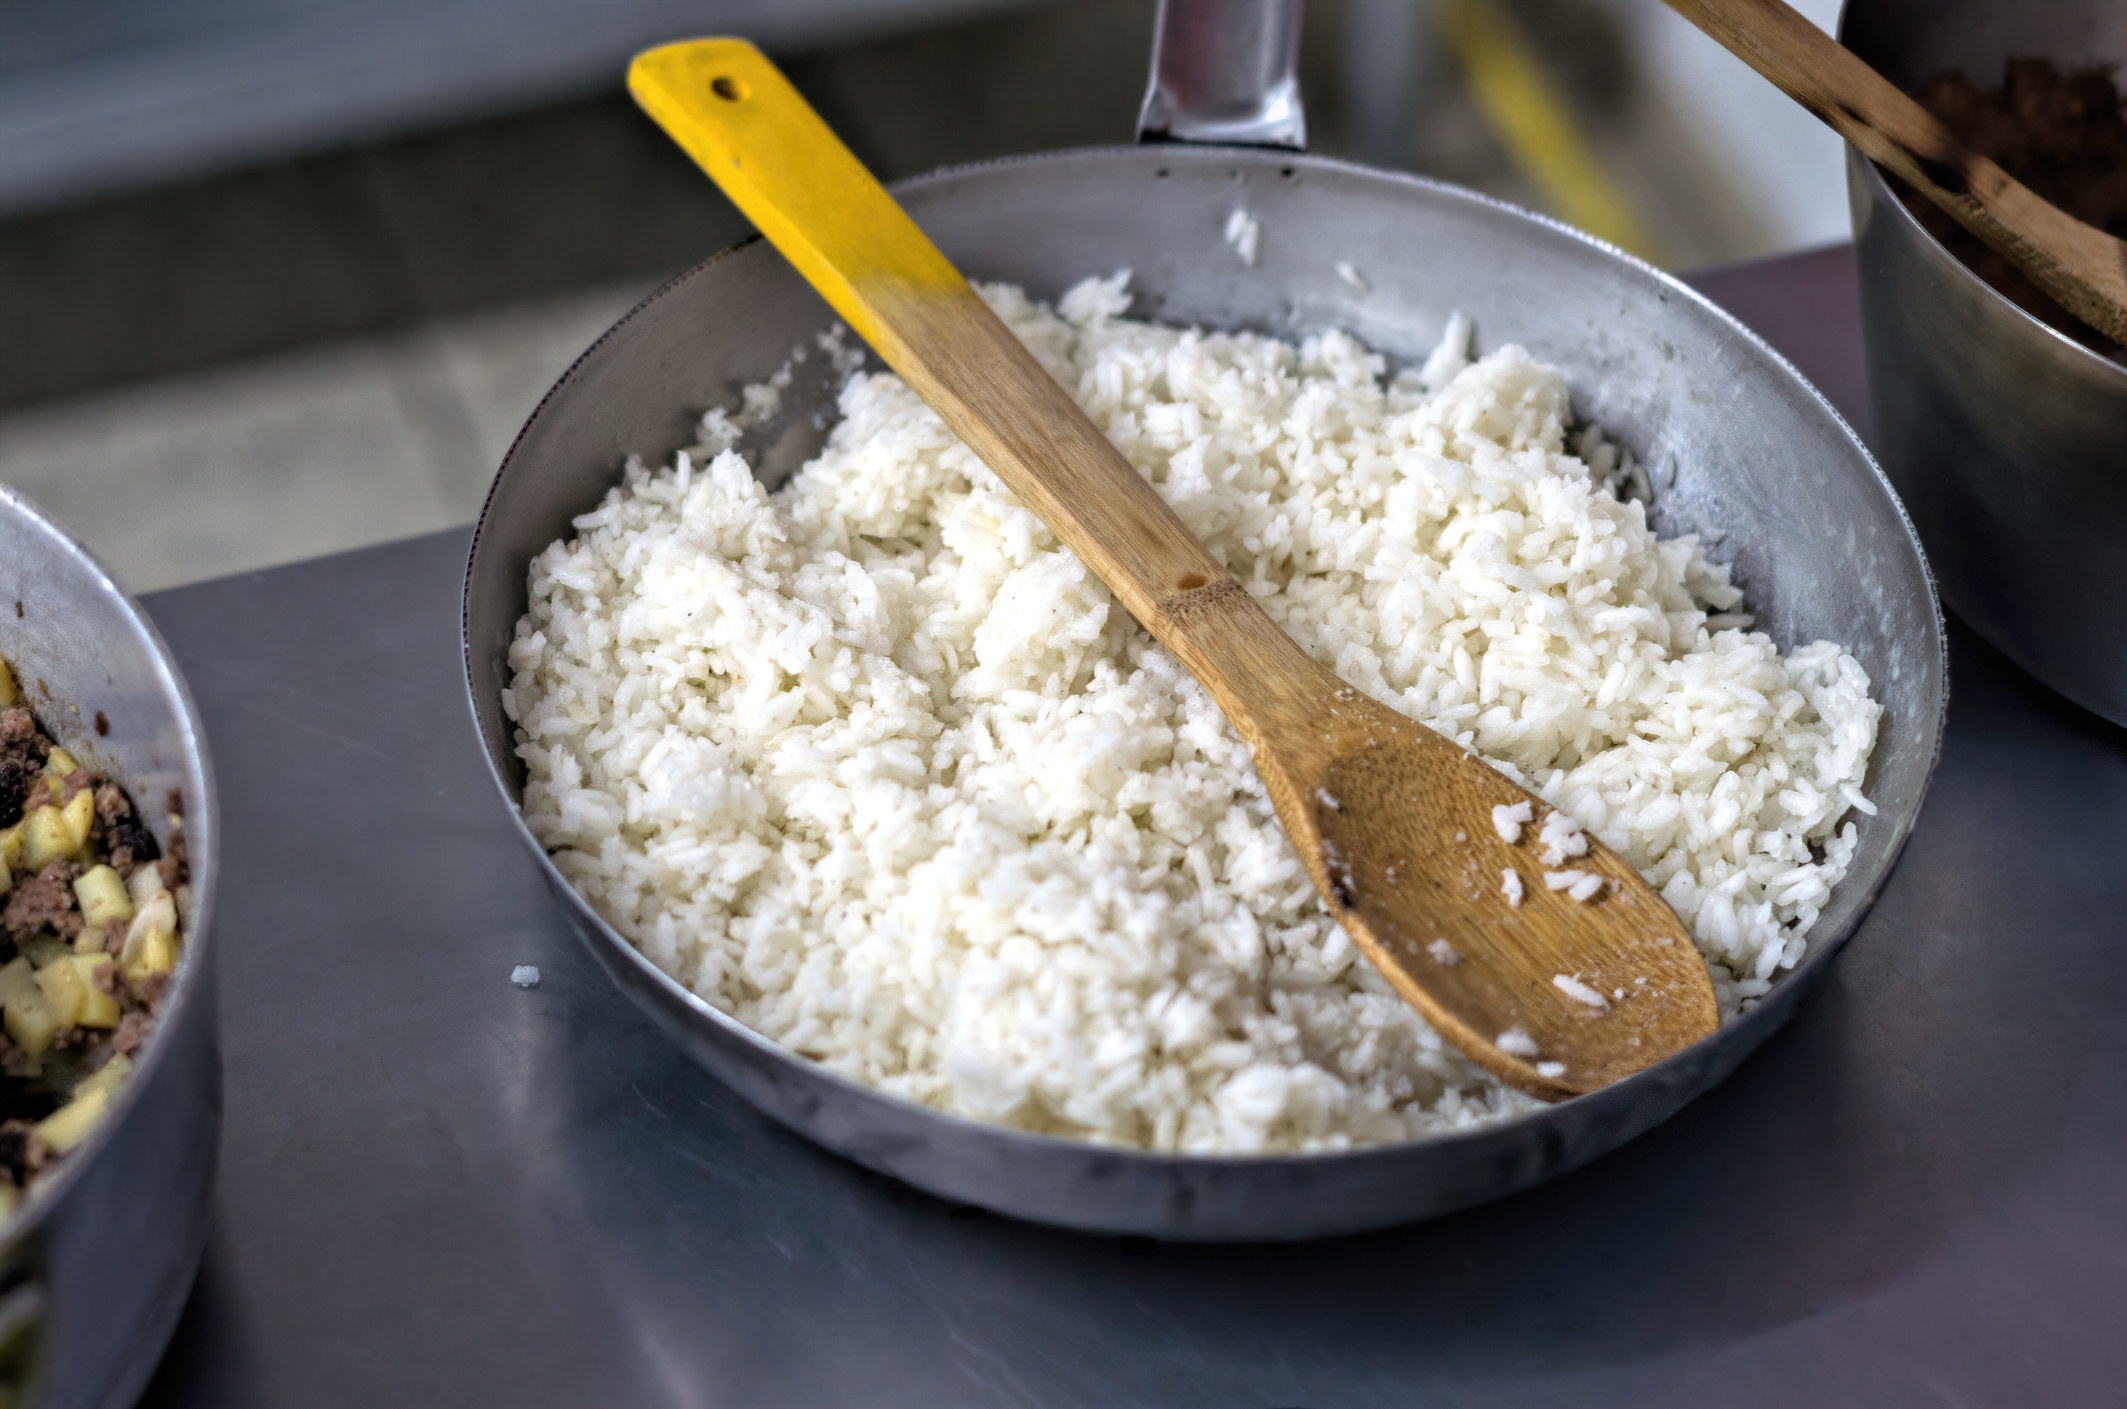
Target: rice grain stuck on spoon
x=1558, y=987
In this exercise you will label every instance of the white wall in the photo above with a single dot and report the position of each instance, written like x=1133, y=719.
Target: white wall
x=1791, y=163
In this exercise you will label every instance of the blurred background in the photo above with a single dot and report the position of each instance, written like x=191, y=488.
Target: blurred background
x=283, y=277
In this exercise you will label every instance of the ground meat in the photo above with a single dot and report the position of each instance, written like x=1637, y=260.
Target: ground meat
x=45, y=901
x=17, y=725
x=151, y=991
x=74, y=782
x=14, y=788
x=111, y=805
x=132, y=1030
x=2063, y=134
x=172, y=871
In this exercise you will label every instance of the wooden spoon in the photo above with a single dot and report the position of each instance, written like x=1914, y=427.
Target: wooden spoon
x=1394, y=823
x=2082, y=267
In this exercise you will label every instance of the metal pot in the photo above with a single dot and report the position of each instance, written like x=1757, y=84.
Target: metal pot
x=97, y=1262
x=1741, y=448
x=2007, y=439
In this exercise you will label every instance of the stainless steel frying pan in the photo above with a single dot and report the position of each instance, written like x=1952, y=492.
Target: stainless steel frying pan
x=1740, y=449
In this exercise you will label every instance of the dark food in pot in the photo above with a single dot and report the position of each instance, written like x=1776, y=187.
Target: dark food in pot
x=2061, y=132
x=90, y=911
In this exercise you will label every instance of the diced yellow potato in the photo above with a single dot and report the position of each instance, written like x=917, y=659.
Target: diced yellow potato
x=7, y=879
x=106, y=1078
x=69, y=986
x=31, y=1022
x=102, y=893
x=73, y=1122
x=79, y=815
x=59, y=764
x=65, y=990
x=45, y=838
x=157, y=955
x=144, y=885
x=159, y=913
x=8, y=693
x=151, y=941
x=98, y=1008
x=11, y=843
x=24, y=1010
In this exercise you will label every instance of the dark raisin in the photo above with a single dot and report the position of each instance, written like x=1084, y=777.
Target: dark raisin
x=126, y=833
x=14, y=787
x=22, y=1150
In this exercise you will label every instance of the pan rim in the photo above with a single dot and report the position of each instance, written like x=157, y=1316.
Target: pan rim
x=1736, y=1038
x=203, y=853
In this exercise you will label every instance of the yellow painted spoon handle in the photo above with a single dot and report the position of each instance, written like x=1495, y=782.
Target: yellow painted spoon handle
x=733, y=111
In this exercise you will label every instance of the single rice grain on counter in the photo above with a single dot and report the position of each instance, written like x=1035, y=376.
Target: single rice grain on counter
x=875, y=766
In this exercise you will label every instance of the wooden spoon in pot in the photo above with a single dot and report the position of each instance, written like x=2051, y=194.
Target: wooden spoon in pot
x=1394, y=823
x=2082, y=267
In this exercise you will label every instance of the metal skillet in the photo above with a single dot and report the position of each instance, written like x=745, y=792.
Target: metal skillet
x=1738, y=446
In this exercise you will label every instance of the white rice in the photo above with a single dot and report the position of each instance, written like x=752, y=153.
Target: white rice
x=1561, y=837
x=1243, y=231
x=877, y=768
x=1516, y=1042
x=1578, y=885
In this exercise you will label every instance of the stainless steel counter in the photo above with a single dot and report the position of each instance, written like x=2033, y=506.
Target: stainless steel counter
x=438, y=1189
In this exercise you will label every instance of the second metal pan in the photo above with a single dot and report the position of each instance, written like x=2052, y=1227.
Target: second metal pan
x=96, y=1264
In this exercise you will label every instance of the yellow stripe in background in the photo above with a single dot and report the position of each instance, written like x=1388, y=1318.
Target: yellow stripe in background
x=1536, y=130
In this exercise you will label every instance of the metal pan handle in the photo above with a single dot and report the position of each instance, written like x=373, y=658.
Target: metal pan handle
x=1225, y=72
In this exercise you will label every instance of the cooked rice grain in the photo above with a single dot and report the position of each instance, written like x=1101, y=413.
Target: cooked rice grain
x=877, y=768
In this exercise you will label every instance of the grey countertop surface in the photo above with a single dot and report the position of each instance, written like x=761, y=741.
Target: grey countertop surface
x=438, y=1189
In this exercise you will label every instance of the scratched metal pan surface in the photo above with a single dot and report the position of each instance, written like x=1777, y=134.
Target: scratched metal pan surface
x=98, y=1260
x=1741, y=449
